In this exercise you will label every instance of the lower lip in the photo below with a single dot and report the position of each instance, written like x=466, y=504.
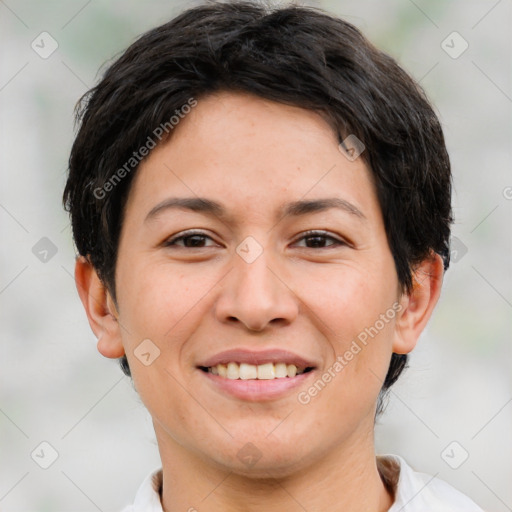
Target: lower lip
x=257, y=390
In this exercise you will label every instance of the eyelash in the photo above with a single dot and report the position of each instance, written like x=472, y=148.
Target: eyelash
x=308, y=234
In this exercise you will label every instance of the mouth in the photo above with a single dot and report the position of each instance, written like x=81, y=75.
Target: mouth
x=256, y=376
x=246, y=371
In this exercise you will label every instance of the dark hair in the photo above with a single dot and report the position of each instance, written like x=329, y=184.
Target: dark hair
x=294, y=55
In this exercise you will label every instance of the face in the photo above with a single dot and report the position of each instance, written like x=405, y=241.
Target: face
x=270, y=276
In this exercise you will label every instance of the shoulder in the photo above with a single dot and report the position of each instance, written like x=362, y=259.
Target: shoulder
x=420, y=492
x=147, y=498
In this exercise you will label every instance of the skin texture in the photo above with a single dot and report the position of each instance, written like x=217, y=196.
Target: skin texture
x=253, y=156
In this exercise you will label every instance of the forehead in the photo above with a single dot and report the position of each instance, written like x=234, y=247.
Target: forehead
x=251, y=154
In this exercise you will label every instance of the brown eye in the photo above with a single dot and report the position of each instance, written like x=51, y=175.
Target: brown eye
x=191, y=239
x=318, y=239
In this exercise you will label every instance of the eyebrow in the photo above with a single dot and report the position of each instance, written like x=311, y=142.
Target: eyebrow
x=213, y=208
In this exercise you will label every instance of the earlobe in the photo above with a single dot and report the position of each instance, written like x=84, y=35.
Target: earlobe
x=100, y=309
x=418, y=305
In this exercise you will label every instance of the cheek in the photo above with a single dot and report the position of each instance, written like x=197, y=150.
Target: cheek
x=348, y=299
x=159, y=305
x=358, y=320
x=161, y=300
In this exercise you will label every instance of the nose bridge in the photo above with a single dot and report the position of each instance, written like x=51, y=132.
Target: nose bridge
x=254, y=294
x=253, y=273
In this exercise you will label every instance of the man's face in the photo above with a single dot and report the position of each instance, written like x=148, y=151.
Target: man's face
x=254, y=280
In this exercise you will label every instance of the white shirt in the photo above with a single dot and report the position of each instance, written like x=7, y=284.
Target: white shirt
x=414, y=491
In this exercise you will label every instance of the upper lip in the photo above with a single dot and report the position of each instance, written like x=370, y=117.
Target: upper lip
x=257, y=357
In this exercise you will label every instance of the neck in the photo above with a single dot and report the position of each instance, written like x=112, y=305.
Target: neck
x=346, y=478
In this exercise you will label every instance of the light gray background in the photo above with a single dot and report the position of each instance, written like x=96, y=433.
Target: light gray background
x=55, y=386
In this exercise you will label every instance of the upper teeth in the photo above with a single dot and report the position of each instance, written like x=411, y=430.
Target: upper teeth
x=246, y=371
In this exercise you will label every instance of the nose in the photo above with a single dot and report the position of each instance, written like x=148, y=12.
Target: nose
x=257, y=294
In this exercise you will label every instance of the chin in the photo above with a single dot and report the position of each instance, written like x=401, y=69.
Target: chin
x=263, y=458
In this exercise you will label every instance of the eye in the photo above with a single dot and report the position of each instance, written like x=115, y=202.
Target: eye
x=190, y=239
x=196, y=239
x=318, y=239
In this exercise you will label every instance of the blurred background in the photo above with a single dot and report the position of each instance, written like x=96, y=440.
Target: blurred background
x=74, y=435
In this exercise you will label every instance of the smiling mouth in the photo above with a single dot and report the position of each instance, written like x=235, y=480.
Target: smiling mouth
x=245, y=371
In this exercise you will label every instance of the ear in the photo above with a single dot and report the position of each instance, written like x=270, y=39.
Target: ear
x=100, y=309
x=418, y=305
